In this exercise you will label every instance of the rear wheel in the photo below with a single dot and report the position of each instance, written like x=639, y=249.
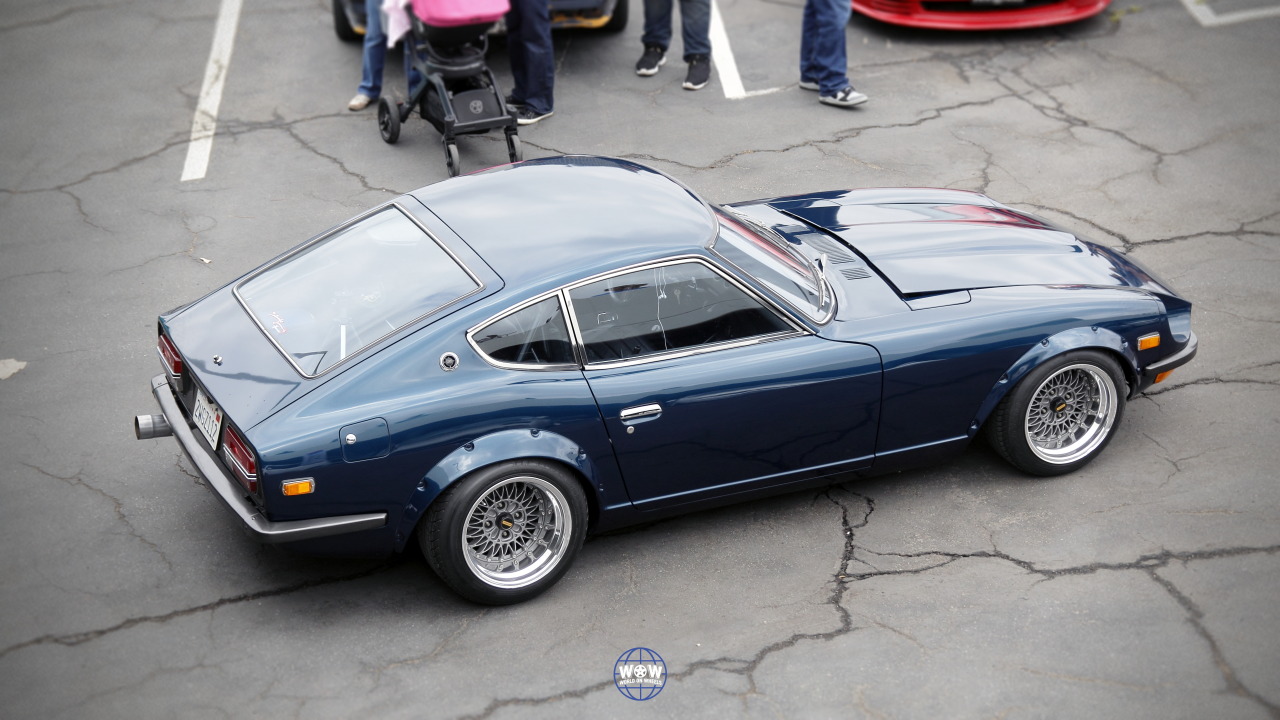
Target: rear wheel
x=1061, y=415
x=505, y=533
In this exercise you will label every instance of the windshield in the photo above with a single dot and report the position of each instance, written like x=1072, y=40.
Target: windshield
x=345, y=292
x=775, y=262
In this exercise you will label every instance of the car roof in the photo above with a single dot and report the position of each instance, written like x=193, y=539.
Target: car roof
x=549, y=220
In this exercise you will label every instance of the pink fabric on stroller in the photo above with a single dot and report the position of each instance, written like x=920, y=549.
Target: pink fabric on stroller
x=450, y=13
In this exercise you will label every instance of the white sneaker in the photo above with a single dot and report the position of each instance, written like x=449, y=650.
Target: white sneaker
x=808, y=85
x=846, y=98
x=359, y=102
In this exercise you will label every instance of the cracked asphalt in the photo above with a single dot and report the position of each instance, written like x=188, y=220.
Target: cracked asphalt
x=1142, y=586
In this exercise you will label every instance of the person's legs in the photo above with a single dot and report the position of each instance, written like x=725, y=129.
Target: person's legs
x=375, y=51
x=822, y=45
x=657, y=23
x=695, y=27
x=533, y=63
x=808, y=65
x=412, y=76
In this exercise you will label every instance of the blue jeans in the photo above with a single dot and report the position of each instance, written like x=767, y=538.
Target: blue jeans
x=695, y=25
x=532, y=57
x=375, y=54
x=822, y=45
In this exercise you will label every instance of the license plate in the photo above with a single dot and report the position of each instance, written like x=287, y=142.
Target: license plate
x=208, y=417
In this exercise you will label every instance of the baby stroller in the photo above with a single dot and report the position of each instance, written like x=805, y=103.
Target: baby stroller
x=448, y=41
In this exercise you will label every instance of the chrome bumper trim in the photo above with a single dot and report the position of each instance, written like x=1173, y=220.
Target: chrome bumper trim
x=228, y=491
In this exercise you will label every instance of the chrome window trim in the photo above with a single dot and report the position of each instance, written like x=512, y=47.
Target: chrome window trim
x=698, y=350
x=575, y=332
x=830, y=288
x=797, y=328
x=535, y=367
x=480, y=286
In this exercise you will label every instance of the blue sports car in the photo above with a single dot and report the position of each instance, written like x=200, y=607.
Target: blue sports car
x=498, y=364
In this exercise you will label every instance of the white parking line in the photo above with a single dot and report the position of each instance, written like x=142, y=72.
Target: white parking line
x=722, y=57
x=1205, y=15
x=215, y=75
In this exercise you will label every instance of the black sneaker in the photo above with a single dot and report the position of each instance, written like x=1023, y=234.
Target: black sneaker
x=528, y=116
x=699, y=72
x=654, y=57
x=513, y=103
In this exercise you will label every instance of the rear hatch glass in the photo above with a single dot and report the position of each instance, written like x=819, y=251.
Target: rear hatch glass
x=333, y=297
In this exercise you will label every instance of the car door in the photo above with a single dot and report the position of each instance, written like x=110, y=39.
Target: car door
x=707, y=390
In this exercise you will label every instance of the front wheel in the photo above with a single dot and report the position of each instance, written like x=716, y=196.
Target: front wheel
x=505, y=533
x=388, y=121
x=342, y=25
x=1061, y=415
x=618, y=21
x=452, y=159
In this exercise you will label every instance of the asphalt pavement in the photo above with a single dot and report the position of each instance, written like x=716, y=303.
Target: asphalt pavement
x=1143, y=586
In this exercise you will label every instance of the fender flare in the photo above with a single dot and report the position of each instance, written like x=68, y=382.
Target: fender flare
x=1080, y=338
x=488, y=450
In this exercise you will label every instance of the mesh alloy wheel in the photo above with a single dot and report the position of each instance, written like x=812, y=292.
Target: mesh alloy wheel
x=516, y=532
x=1071, y=414
x=506, y=532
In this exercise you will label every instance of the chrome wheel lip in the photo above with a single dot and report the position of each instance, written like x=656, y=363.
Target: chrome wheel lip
x=536, y=542
x=1088, y=401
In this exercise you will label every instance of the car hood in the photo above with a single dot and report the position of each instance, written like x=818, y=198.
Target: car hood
x=933, y=241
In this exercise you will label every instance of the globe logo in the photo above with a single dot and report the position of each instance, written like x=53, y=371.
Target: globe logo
x=640, y=674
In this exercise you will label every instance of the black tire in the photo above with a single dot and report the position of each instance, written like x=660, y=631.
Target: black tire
x=505, y=533
x=1061, y=415
x=618, y=21
x=452, y=160
x=342, y=25
x=515, y=151
x=388, y=121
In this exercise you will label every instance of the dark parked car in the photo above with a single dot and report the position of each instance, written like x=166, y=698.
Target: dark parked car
x=608, y=15
x=499, y=363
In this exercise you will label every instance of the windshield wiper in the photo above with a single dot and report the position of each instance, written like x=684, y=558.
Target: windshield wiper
x=817, y=266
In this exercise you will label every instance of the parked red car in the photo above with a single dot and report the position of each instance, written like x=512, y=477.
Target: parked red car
x=979, y=14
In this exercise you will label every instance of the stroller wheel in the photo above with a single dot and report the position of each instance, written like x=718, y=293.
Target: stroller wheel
x=514, y=150
x=388, y=121
x=452, y=160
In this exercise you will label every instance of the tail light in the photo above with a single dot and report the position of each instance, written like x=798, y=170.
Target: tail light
x=241, y=458
x=170, y=357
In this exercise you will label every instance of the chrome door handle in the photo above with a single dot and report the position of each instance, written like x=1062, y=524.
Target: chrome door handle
x=639, y=412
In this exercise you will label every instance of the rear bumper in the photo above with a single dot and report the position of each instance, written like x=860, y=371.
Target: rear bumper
x=228, y=491
x=968, y=16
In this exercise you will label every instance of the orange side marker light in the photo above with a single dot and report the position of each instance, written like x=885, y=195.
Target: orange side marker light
x=307, y=486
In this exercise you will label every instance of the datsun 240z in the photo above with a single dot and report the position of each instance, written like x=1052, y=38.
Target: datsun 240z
x=498, y=364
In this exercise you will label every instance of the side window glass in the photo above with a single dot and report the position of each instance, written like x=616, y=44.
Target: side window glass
x=536, y=335
x=663, y=309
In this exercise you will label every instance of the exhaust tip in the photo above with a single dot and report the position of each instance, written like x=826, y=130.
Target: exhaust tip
x=146, y=427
